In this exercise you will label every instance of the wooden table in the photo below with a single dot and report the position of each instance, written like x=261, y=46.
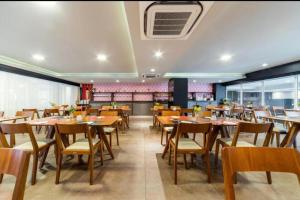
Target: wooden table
x=218, y=127
x=220, y=110
x=290, y=137
x=97, y=122
x=6, y=119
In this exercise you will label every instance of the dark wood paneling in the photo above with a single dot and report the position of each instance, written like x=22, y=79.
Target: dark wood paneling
x=23, y=72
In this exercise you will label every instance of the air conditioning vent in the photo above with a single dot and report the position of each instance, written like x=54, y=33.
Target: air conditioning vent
x=151, y=75
x=171, y=19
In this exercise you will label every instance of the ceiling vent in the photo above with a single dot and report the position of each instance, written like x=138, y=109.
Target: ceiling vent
x=150, y=75
x=171, y=19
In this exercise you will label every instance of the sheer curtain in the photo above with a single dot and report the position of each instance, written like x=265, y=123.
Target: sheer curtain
x=18, y=92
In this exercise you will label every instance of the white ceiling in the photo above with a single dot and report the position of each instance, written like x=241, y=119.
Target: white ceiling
x=71, y=34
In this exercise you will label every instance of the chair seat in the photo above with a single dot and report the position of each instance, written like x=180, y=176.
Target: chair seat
x=81, y=145
x=28, y=145
x=109, y=129
x=187, y=144
x=279, y=128
x=168, y=129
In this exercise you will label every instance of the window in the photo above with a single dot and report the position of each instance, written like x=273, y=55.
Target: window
x=252, y=93
x=280, y=92
x=234, y=93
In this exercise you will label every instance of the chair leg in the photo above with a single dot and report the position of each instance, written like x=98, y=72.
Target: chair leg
x=217, y=154
x=175, y=168
x=110, y=139
x=185, y=162
x=74, y=138
x=170, y=154
x=272, y=138
x=255, y=138
x=117, y=135
x=58, y=168
x=207, y=158
x=277, y=139
x=91, y=166
x=101, y=152
x=167, y=137
x=161, y=137
x=1, y=177
x=34, y=168
x=269, y=177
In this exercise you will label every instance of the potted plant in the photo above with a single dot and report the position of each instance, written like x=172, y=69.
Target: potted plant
x=71, y=110
x=114, y=105
x=197, y=109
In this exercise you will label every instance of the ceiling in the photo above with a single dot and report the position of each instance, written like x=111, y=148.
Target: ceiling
x=70, y=35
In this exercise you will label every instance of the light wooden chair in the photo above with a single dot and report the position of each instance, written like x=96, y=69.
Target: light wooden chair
x=244, y=159
x=185, y=145
x=34, y=110
x=106, y=107
x=15, y=162
x=92, y=111
x=77, y=113
x=110, y=130
x=278, y=110
x=29, y=114
x=34, y=146
x=87, y=146
x=277, y=129
x=246, y=127
x=51, y=112
x=186, y=111
x=167, y=129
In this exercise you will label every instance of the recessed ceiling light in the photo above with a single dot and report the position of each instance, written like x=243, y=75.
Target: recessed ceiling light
x=92, y=81
x=46, y=3
x=265, y=64
x=152, y=70
x=226, y=57
x=143, y=81
x=158, y=54
x=194, y=81
x=38, y=57
x=118, y=81
x=102, y=57
x=219, y=81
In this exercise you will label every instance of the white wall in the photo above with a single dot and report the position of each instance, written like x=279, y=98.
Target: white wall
x=18, y=92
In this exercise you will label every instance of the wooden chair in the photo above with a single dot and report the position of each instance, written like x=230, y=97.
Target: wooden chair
x=92, y=111
x=245, y=159
x=278, y=110
x=15, y=162
x=88, y=146
x=106, y=107
x=237, y=112
x=1, y=113
x=185, y=145
x=277, y=129
x=175, y=107
x=51, y=112
x=34, y=146
x=167, y=129
x=245, y=127
x=29, y=114
x=34, y=110
x=125, y=114
x=205, y=113
x=77, y=113
x=186, y=111
x=110, y=130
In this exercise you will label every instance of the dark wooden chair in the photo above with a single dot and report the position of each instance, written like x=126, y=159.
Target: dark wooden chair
x=184, y=145
x=244, y=159
x=15, y=162
x=87, y=146
x=34, y=146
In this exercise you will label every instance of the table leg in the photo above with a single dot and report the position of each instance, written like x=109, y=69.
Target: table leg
x=212, y=136
x=50, y=135
x=290, y=137
x=103, y=137
x=167, y=142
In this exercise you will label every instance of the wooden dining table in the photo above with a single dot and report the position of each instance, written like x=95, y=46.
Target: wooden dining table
x=95, y=122
x=7, y=119
x=291, y=135
x=219, y=126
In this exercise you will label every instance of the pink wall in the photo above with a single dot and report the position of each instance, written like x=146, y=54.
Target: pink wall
x=200, y=87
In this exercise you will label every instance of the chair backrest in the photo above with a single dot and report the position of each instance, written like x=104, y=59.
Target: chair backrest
x=186, y=111
x=242, y=159
x=255, y=128
x=292, y=113
x=259, y=114
x=1, y=113
x=71, y=129
x=119, y=111
x=192, y=128
x=158, y=107
x=170, y=113
x=278, y=110
x=51, y=112
x=34, y=110
x=15, y=162
x=29, y=114
x=92, y=111
x=205, y=113
x=107, y=107
x=18, y=128
x=76, y=113
x=175, y=107
x=109, y=113
x=237, y=111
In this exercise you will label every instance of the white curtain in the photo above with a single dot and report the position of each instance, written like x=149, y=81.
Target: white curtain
x=18, y=92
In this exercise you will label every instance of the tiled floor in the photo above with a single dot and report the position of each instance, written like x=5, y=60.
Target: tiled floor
x=138, y=172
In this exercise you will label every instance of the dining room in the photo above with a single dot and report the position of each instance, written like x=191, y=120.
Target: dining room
x=149, y=100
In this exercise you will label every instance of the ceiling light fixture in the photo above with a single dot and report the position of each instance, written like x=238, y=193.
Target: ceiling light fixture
x=265, y=65
x=118, y=81
x=194, y=81
x=102, y=57
x=158, y=54
x=38, y=57
x=143, y=81
x=46, y=3
x=219, y=81
x=92, y=81
x=226, y=57
x=152, y=70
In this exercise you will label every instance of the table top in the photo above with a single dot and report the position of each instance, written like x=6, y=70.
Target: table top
x=169, y=120
x=5, y=119
x=219, y=109
x=284, y=118
x=123, y=109
x=90, y=120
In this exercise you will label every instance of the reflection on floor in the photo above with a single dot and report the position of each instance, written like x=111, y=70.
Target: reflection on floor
x=138, y=172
